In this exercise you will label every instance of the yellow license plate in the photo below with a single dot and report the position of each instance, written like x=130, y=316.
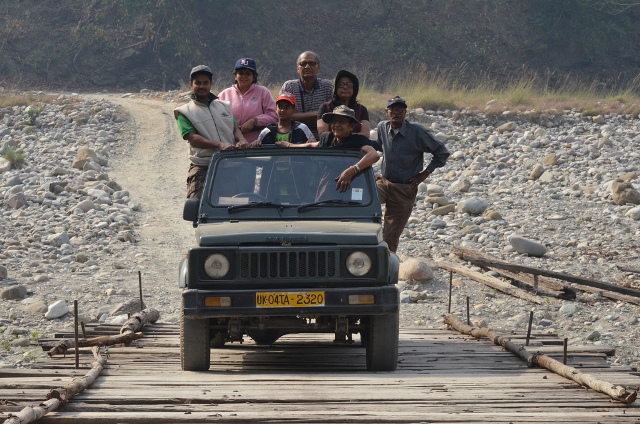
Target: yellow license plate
x=289, y=299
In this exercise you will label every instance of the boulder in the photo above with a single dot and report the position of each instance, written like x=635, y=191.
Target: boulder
x=57, y=310
x=14, y=292
x=623, y=192
x=415, y=270
x=472, y=206
x=527, y=246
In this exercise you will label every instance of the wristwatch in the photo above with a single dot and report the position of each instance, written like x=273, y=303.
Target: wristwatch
x=357, y=167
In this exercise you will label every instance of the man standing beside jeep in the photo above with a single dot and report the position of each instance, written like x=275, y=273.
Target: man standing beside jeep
x=207, y=124
x=403, y=145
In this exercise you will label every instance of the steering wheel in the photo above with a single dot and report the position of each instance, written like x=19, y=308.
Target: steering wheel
x=251, y=196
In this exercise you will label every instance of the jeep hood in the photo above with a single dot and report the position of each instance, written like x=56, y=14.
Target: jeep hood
x=293, y=232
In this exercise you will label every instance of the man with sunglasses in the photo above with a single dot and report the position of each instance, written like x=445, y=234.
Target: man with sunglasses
x=310, y=91
x=403, y=145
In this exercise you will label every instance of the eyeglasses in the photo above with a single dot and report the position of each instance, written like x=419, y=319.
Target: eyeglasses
x=311, y=63
x=345, y=85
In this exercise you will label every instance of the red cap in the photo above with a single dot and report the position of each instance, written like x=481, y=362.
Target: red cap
x=288, y=97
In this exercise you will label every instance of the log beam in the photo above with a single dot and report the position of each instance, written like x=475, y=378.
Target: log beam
x=618, y=393
x=489, y=281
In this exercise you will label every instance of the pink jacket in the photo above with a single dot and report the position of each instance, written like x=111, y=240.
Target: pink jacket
x=257, y=102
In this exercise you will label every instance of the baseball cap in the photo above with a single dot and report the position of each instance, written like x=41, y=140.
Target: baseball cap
x=397, y=100
x=246, y=63
x=286, y=96
x=201, y=69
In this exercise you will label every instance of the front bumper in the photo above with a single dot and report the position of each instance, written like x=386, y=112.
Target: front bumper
x=243, y=303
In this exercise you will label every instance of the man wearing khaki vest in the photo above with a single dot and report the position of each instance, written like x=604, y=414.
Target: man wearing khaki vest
x=207, y=124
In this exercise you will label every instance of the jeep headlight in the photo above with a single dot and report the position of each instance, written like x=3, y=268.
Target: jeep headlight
x=358, y=264
x=216, y=266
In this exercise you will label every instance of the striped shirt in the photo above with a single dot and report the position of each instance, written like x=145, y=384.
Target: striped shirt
x=309, y=101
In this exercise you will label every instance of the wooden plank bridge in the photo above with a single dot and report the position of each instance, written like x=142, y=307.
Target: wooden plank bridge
x=442, y=377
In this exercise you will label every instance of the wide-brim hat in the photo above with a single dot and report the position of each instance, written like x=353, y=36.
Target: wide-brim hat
x=341, y=110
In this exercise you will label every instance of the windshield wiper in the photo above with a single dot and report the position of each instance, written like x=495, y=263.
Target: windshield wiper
x=262, y=204
x=328, y=202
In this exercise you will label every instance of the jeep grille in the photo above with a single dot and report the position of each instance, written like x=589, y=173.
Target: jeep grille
x=317, y=264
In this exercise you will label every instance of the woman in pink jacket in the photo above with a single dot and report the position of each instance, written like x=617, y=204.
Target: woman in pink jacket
x=252, y=105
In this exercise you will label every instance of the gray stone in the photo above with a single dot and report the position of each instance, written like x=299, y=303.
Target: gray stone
x=594, y=335
x=623, y=192
x=20, y=342
x=129, y=307
x=5, y=165
x=14, y=292
x=16, y=201
x=536, y=172
x=633, y=213
x=491, y=215
x=85, y=206
x=443, y=210
x=38, y=307
x=569, y=309
x=508, y=127
x=527, y=246
x=59, y=239
x=472, y=206
x=550, y=159
x=437, y=200
x=462, y=186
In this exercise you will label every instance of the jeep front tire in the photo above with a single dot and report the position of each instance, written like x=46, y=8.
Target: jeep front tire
x=382, y=342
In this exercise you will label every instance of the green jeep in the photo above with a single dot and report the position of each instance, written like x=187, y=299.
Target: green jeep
x=279, y=250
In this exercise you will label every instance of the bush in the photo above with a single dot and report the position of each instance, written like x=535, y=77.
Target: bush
x=15, y=157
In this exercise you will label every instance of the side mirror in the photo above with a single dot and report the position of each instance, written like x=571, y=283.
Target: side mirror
x=191, y=209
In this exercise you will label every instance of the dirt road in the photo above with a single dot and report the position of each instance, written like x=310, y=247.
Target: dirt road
x=152, y=166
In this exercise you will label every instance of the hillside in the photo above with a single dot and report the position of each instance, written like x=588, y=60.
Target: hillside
x=136, y=44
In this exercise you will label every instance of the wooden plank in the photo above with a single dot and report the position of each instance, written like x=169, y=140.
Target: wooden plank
x=559, y=275
x=489, y=281
x=541, y=285
x=441, y=377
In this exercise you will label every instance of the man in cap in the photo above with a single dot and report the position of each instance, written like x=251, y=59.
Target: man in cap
x=403, y=145
x=310, y=91
x=207, y=124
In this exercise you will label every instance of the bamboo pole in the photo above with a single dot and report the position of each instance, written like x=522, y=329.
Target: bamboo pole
x=618, y=393
x=61, y=395
x=489, y=281
x=128, y=333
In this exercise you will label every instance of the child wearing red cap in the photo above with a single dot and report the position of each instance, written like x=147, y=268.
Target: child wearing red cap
x=286, y=130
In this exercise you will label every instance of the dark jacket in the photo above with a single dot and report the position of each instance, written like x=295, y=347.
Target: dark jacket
x=361, y=111
x=296, y=136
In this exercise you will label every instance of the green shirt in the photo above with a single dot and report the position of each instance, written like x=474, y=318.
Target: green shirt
x=283, y=136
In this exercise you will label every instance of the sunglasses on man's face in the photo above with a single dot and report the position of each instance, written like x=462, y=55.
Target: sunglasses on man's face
x=306, y=63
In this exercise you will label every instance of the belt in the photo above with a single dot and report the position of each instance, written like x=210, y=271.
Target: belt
x=399, y=182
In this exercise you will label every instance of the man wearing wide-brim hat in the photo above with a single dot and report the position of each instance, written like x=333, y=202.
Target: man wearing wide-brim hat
x=403, y=145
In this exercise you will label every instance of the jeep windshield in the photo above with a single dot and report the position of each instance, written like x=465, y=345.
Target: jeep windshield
x=282, y=178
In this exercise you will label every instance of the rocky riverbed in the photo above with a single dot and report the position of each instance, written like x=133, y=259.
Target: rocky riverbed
x=553, y=190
